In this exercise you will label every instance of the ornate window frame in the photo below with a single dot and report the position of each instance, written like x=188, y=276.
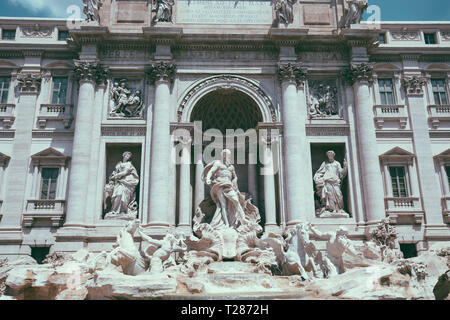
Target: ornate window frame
x=47, y=209
x=399, y=208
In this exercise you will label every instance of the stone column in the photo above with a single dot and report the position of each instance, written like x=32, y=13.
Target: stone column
x=29, y=86
x=268, y=172
x=86, y=72
x=199, y=193
x=373, y=194
x=94, y=197
x=295, y=148
x=185, y=203
x=161, y=75
x=444, y=178
x=252, y=178
x=418, y=115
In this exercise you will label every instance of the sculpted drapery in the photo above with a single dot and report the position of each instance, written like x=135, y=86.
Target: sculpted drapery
x=328, y=181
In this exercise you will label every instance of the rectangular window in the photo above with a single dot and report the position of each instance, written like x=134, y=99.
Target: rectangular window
x=9, y=34
x=399, y=185
x=439, y=91
x=386, y=91
x=447, y=170
x=4, y=89
x=59, y=90
x=430, y=38
x=63, y=35
x=382, y=38
x=49, y=180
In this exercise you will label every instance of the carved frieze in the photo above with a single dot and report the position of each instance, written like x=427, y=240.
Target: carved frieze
x=359, y=73
x=406, y=35
x=292, y=73
x=162, y=71
x=328, y=130
x=124, y=131
x=414, y=85
x=323, y=100
x=37, y=31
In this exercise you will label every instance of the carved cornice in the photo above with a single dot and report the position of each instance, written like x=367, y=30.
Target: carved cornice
x=362, y=72
x=30, y=82
x=292, y=73
x=162, y=71
x=90, y=71
x=414, y=85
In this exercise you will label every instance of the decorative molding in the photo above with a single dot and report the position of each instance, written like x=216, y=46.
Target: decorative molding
x=37, y=31
x=414, y=85
x=406, y=35
x=292, y=73
x=230, y=82
x=445, y=35
x=162, y=71
x=7, y=115
x=124, y=131
x=362, y=72
x=438, y=113
x=55, y=112
x=393, y=113
x=90, y=71
x=327, y=130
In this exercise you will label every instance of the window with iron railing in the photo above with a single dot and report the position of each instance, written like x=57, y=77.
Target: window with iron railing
x=386, y=89
x=439, y=91
x=399, y=183
x=4, y=89
x=59, y=90
x=49, y=180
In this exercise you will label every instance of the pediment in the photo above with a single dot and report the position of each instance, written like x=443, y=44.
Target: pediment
x=49, y=153
x=397, y=154
x=444, y=156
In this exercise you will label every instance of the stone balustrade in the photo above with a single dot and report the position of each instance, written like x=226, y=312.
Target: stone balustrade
x=52, y=210
x=392, y=113
x=55, y=112
x=438, y=113
x=405, y=207
x=7, y=115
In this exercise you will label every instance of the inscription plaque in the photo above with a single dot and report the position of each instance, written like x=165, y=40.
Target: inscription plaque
x=224, y=12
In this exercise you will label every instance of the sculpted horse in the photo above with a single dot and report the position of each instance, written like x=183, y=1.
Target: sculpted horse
x=301, y=256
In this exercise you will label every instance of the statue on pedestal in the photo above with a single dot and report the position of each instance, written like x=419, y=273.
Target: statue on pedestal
x=328, y=181
x=285, y=11
x=355, y=11
x=91, y=10
x=163, y=9
x=122, y=190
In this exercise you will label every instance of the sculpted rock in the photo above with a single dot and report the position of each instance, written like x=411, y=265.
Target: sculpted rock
x=441, y=290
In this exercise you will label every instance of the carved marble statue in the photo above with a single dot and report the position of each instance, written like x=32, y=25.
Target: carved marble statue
x=159, y=252
x=323, y=101
x=91, y=10
x=337, y=244
x=124, y=102
x=125, y=254
x=355, y=11
x=385, y=236
x=122, y=189
x=285, y=11
x=328, y=181
x=163, y=9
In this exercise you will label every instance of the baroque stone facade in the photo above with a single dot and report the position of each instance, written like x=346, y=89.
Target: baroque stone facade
x=142, y=79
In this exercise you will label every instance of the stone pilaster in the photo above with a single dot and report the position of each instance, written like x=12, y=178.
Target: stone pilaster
x=360, y=76
x=417, y=107
x=299, y=190
x=161, y=75
x=29, y=85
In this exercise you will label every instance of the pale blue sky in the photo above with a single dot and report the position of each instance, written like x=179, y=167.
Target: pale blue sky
x=391, y=10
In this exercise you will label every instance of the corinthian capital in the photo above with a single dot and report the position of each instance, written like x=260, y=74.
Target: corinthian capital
x=362, y=72
x=89, y=71
x=292, y=73
x=162, y=71
x=30, y=82
x=414, y=85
